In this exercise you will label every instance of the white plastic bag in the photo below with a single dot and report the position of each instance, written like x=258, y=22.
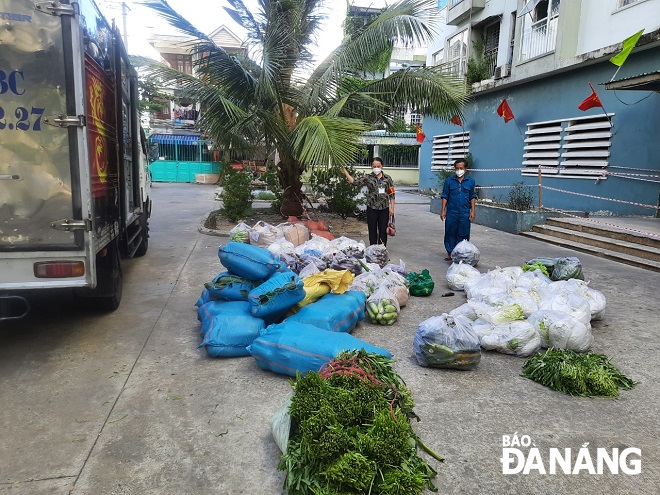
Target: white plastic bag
x=532, y=279
x=595, y=298
x=377, y=253
x=467, y=252
x=501, y=315
x=459, y=273
x=350, y=247
x=559, y=329
x=366, y=282
x=465, y=310
x=264, y=234
x=400, y=268
x=309, y=269
x=240, y=233
x=281, y=246
x=518, y=338
x=481, y=328
x=574, y=304
x=528, y=300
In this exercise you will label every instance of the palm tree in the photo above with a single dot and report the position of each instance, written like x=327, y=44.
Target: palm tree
x=316, y=121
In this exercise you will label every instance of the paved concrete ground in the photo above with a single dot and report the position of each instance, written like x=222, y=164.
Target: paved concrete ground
x=125, y=404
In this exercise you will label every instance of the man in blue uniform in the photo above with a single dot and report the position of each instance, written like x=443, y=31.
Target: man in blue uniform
x=458, y=202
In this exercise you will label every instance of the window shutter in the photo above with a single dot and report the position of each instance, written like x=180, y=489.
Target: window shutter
x=449, y=147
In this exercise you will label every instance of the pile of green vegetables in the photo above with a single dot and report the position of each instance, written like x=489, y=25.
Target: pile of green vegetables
x=585, y=375
x=351, y=432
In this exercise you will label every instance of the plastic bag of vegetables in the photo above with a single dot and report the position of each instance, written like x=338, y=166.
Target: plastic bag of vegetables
x=559, y=329
x=281, y=246
x=350, y=247
x=365, y=282
x=343, y=262
x=466, y=252
x=567, y=268
x=400, y=268
x=240, y=233
x=499, y=315
x=595, y=298
x=383, y=307
x=421, y=284
x=264, y=234
x=466, y=310
x=519, y=338
x=459, y=273
x=574, y=304
x=377, y=253
x=447, y=341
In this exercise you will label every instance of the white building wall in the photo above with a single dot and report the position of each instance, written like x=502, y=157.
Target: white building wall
x=603, y=24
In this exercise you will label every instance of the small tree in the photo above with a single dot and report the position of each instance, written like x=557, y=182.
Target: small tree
x=339, y=194
x=237, y=194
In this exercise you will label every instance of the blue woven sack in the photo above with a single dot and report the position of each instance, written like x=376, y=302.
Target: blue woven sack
x=230, y=287
x=213, y=308
x=333, y=312
x=204, y=298
x=292, y=347
x=229, y=335
x=276, y=295
x=250, y=262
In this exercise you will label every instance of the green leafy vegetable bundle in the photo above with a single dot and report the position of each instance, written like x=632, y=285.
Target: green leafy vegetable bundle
x=351, y=432
x=584, y=375
x=537, y=265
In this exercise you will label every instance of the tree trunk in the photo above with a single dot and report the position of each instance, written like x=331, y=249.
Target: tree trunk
x=292, y=201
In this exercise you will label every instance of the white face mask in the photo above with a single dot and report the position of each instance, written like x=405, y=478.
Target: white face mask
x=460, y=173
x=376, y=171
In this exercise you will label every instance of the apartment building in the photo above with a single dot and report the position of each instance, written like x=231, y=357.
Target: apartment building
x=541, y=56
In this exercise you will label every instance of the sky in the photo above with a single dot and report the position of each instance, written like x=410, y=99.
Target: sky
x=208, y=15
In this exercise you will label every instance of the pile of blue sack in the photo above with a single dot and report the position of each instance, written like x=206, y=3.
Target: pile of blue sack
x=247, y=311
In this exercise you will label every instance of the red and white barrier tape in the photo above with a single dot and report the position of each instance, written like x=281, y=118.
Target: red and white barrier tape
x=628, y=229
x=632, y=168
x=600, y=197
x=622, y=176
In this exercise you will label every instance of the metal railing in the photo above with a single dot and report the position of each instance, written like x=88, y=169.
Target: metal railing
x=400, y=156
x=539, y=38
x=185, y=152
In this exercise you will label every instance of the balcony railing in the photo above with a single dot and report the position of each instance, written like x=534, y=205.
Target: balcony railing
x=539, y=38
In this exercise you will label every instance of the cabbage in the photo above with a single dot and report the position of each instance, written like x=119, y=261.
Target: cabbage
x=505, y=314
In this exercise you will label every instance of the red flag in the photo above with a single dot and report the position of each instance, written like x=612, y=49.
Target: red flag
x=590, y=101
x=420, y=135
x=504, y=110
x=456, y=120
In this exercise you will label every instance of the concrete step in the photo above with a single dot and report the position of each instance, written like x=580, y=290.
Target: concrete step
x=608, y=243
x=605, y=231
x=596, y=251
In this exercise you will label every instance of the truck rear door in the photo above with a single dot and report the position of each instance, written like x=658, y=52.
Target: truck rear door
x=44, y=187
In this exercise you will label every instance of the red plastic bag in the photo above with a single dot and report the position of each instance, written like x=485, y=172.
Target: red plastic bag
x=391, y=229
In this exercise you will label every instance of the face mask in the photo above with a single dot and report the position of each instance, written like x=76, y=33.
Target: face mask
x=376, y=171
x=460, y=173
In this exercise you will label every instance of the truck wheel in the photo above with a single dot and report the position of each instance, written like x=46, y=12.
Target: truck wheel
x=144, y=244
x=110, y=279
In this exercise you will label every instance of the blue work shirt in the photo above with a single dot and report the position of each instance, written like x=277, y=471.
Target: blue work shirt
x=459, y=194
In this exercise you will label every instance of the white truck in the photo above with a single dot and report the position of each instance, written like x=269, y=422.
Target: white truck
x=74, y=178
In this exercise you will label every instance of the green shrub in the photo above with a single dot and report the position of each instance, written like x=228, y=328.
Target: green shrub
x=339, y=195
x=521, y=197
x=237, y=195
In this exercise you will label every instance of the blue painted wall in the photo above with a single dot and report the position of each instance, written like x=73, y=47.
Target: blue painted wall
x=494, y=144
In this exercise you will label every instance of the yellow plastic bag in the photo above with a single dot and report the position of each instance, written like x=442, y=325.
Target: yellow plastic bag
x=318, y=285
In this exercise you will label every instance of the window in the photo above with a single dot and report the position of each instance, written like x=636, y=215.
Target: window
x=540, y=29
x=454, y=3
x=578, y=147
x=437, y=57
x=491, y=44
x=449, y=147
x=457, y=52
x=415, y=119
x=623, y=3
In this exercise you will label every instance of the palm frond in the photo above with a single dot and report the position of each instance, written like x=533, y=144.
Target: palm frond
x=175, y=19
x=406, y=23
x=323, y=140
x=432, y=91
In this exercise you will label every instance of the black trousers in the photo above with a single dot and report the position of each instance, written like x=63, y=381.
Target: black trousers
x=377, y=221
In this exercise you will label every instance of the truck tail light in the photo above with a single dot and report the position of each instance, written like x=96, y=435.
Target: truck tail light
x=59, y=269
